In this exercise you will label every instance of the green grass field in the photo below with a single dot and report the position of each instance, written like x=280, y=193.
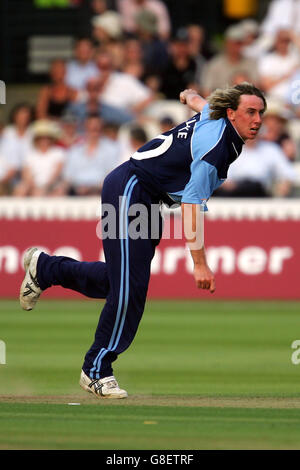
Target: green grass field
x=200, y=375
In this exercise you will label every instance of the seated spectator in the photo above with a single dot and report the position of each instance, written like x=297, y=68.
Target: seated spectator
x=107, y=27
x=155, y=52
x=111, y=131
x=219, y=70
x=153, y=83
x=281, y=14
x=275, y=129
x=197, y=48
x=277, y=67
x=69, y=135
x=95, y=8
x=82, y=67
x=88, y=163
x=99, y=6
x=54, y=98
x=262, y=170
x=15, y=144
x=198, y=42
x=131, y=142
x=251, y=48
x=121, y=90
x=129, y=9
x=89, y=102
x=181, y=69
x=133, y=58
x=137, y=60
x=44, y=162
x=107, y=32
x=166, y=123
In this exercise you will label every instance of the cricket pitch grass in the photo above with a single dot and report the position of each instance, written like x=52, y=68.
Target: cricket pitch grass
x=200, y=375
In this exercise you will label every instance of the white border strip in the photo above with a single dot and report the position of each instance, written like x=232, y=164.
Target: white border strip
x=88, y=208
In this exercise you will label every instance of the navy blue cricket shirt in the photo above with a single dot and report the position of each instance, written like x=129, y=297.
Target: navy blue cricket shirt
x=189, y=162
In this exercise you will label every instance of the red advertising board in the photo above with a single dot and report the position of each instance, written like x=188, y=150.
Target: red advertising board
x=253, y=259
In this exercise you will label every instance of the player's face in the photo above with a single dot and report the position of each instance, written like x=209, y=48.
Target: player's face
x=247, y=118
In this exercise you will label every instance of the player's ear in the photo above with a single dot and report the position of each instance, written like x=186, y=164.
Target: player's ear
x=230, y=114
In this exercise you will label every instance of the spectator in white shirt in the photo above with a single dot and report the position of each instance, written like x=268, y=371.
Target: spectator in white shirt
x=262, y=170
x=275, y=68
x=82, y=67
x=88, y=163
x=282, y=14
x=133, y=58
x=89, y=102
x=119, y=89
x=44, y=162
x=15, y=144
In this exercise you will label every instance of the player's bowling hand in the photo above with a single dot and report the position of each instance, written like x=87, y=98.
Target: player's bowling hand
x=204, y=278
x=183, y=95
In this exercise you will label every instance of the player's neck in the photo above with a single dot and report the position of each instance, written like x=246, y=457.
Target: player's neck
x=244, y=140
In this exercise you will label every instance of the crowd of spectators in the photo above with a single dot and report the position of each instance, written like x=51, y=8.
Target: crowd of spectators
x=94, y=111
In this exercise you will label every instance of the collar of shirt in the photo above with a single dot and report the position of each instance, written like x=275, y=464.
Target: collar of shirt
x=237, y=142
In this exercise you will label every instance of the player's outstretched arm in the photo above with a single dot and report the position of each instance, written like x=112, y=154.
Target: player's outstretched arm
x=193, y=227
x=193, y=100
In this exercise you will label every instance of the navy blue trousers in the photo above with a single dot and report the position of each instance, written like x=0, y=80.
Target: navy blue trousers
x=122, y=280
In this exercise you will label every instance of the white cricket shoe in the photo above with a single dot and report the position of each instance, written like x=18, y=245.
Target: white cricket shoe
x=103, y=388
x=30, y=290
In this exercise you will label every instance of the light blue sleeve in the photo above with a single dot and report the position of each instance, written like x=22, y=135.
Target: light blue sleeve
x=203, y=182
x=205, y=112
x=207, y=134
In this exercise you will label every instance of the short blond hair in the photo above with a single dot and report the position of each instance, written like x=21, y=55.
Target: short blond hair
x=222, y=99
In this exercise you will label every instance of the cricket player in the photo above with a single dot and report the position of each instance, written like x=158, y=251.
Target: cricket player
x=184, y=165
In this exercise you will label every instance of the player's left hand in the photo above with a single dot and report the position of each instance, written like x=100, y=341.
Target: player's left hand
x=204, y=278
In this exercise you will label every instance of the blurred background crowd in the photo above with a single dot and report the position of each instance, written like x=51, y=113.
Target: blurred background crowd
x=121, y=87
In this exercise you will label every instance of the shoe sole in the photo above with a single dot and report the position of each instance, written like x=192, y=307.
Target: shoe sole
x=26, y=263
x=114, y=397
x=23, y=286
